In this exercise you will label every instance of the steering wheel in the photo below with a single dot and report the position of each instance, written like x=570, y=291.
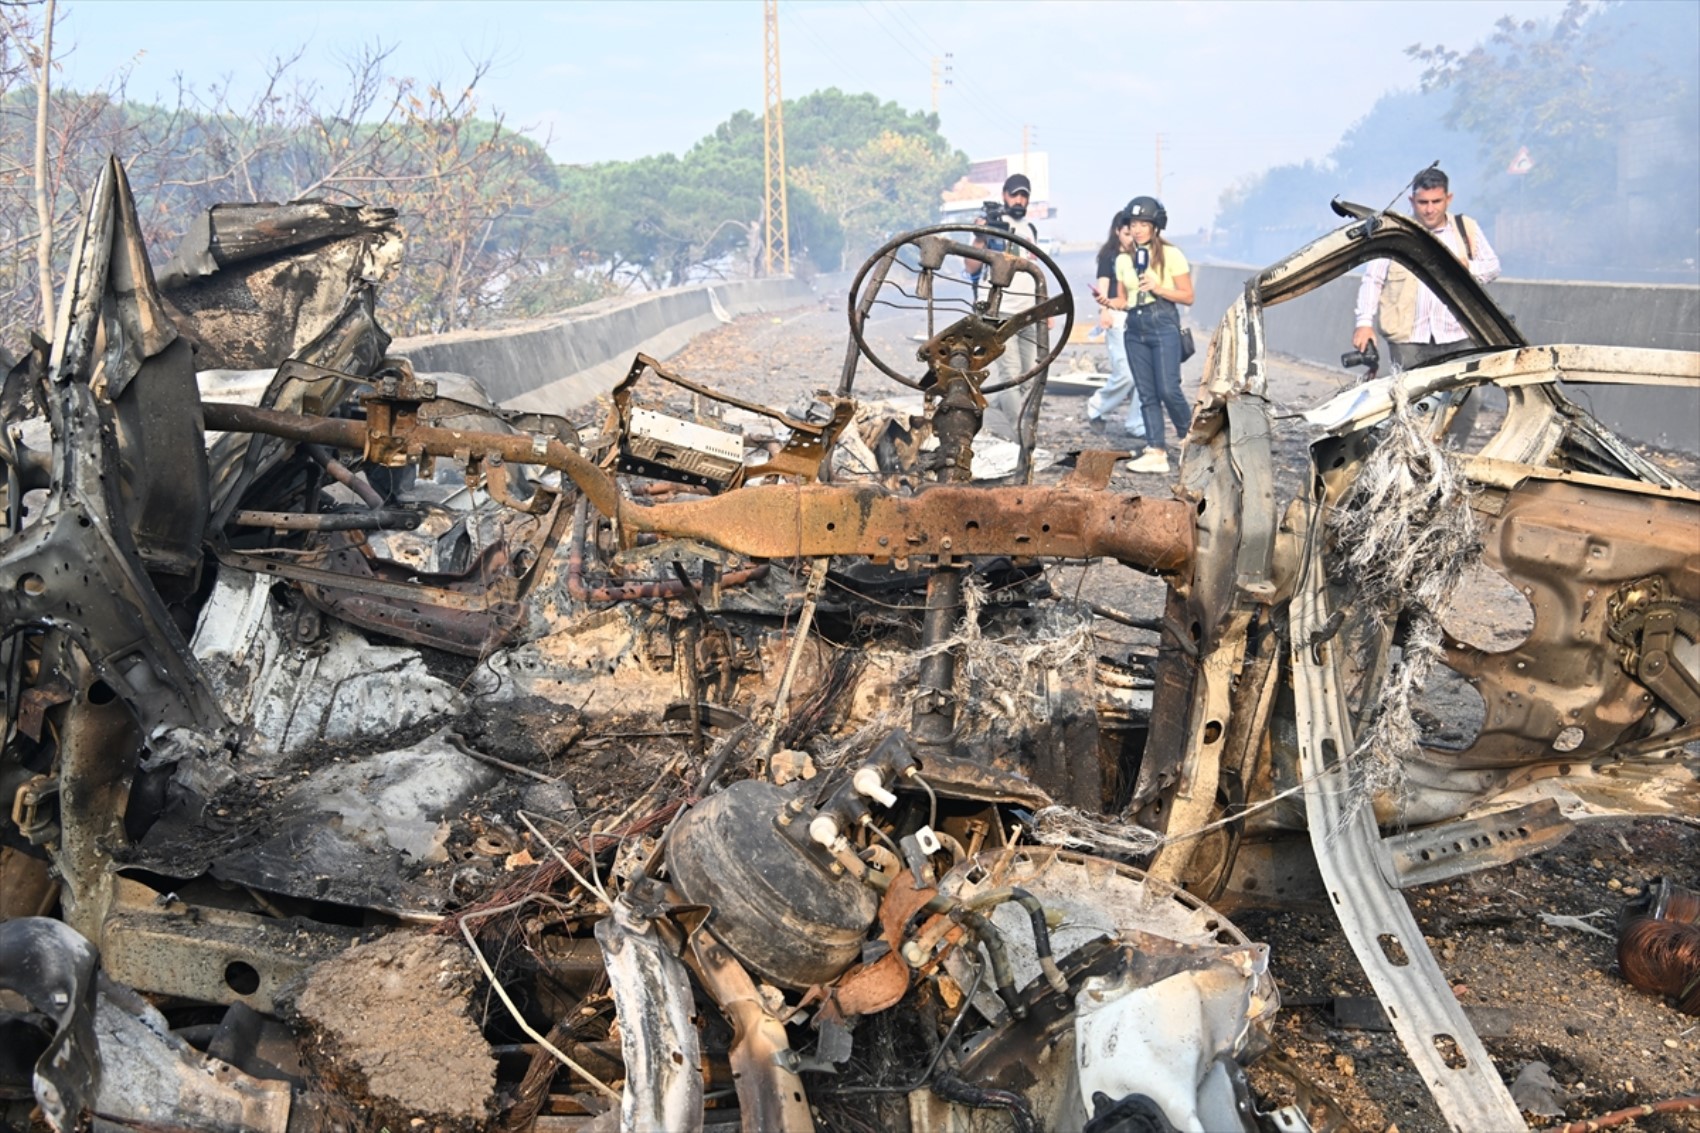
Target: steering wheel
x=978, y=337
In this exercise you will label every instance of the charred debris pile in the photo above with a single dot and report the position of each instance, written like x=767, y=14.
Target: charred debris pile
x=381, y=758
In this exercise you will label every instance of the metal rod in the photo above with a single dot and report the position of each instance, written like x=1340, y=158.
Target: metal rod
x=395, y=518
x=934, y=718
x=426, y=440
x=811, y=596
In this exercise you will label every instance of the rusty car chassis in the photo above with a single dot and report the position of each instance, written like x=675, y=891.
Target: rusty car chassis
x=982, y=895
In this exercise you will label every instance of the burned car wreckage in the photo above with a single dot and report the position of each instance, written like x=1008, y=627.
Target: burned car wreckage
x=884, y=861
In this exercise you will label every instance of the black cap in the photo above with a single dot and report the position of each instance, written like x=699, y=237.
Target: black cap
x=1018, y=183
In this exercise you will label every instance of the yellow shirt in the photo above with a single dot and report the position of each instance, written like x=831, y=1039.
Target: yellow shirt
x=1174, y=266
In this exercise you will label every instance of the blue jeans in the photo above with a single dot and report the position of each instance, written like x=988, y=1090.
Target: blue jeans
x=1154, y=355
x=1119, y=386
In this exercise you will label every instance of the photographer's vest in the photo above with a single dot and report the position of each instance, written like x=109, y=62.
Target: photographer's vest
x=1398, y=311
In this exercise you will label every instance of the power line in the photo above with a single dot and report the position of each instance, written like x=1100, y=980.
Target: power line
x=992, y=104
x=996, y=119
x=905, y=17
x=857, y=74
x=970, y=100
x=860, y=76
x=873, y=15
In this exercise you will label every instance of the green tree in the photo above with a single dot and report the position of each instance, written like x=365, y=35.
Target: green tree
x=890, y=182
x=1272, y=212
x=1567, y=90
x=494, y=227
x=1606, y=97
x=662, y=220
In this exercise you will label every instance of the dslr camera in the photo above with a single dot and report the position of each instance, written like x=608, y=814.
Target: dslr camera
x=1369, y=357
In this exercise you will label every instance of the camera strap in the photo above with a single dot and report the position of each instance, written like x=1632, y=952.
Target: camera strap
x=1464, y=231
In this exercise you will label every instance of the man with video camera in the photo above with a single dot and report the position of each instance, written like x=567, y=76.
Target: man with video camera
x=1022, y=351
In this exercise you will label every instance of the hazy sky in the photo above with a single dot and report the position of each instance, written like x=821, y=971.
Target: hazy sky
x=1232, y=87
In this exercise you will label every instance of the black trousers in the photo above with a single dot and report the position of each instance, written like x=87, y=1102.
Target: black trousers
x=1407, y=355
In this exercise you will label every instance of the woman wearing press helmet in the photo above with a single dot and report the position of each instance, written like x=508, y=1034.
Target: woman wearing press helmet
x=1156, y=279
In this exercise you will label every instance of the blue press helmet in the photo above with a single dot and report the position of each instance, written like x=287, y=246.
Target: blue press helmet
x=1148, y=208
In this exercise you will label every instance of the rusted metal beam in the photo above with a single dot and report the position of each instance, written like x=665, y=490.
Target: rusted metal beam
x=946, y=521
x=785, y=521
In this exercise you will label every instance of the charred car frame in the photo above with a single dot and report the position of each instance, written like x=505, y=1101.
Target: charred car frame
x=927, y=844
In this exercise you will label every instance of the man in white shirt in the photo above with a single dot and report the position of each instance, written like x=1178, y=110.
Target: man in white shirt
x=1416, y=324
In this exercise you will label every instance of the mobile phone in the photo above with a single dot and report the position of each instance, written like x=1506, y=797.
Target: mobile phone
x=1093, y=287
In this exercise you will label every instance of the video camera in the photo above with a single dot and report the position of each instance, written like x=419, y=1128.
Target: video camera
x=995, y=214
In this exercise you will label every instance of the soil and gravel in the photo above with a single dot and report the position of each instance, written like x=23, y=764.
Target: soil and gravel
x=390, y=1024
x=1557, y=995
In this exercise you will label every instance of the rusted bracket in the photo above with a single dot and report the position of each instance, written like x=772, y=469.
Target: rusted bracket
x=770, y=1094
x=392, y=414
x=1092, y=470
x=1661, y=670
x=803, y=453
x=1452, y=849
x=494, y=472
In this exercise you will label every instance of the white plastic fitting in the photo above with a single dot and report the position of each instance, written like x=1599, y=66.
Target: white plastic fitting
x=867, y=782
x=823, y=828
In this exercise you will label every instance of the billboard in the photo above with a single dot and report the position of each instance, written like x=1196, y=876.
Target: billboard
x=984, y=182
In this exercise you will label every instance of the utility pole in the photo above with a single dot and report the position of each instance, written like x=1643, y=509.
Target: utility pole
x=942, y=69
x=1026, y=144
x=776, y=213
x=1159, y=166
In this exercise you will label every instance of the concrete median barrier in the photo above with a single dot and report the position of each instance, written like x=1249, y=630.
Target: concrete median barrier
x=1317, y=327
x=560, y=363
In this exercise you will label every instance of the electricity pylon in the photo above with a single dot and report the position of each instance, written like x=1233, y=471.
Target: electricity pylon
x=776, y=214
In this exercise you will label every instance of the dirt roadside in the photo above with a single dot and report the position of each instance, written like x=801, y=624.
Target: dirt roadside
x=1544, y=994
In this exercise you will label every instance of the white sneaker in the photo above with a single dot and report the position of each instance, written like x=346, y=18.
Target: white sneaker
x=1151, y=460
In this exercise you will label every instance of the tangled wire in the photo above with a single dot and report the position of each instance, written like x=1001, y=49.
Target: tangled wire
x=1010, y=677
x=1405, y=534
x=1007, y=675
